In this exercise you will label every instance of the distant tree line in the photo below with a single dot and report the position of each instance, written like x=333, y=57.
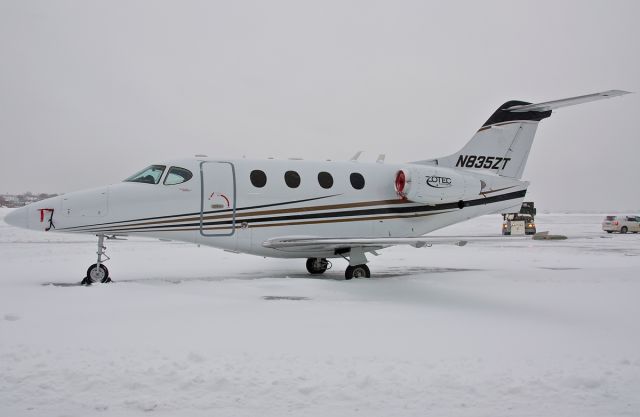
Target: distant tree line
x=19, y=200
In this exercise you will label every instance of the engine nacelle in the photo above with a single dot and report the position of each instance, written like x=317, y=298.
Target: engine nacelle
x=433, y=185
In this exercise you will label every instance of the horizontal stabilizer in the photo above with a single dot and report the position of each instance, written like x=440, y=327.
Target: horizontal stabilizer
x=552, y=105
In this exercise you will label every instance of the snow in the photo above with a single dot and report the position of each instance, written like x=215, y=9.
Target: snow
x=514, y=327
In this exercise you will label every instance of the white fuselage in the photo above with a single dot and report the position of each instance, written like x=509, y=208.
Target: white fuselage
x=221, y=207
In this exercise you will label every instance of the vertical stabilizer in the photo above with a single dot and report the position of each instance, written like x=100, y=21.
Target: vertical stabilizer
x=503, y=143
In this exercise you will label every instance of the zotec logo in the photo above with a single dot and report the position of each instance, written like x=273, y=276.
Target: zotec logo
x=438, y=182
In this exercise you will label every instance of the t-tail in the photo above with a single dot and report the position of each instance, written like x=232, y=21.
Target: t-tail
x=503, y=142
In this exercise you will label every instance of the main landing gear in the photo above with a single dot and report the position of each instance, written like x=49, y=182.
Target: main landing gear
x=98, y=272
x=317, y=266
x=357, y=264
x=357, y=271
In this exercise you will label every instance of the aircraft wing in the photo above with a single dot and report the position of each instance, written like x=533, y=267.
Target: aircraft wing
x=323, y=243
x=295, y=243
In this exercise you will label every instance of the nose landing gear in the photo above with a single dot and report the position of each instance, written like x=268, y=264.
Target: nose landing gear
x=98, y=272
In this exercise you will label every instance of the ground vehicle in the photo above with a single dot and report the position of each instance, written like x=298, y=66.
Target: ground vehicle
x=621, y=224
x=522, y=222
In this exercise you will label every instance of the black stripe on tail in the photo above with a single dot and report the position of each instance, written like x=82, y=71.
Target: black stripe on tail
x=502, y=115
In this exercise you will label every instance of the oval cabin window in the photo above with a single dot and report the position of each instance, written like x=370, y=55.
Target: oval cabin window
x=292, y=179
x=258, y=178
x=325, y=180
x=357, y=181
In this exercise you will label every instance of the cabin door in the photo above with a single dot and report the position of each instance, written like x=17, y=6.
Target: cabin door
x=217, y=198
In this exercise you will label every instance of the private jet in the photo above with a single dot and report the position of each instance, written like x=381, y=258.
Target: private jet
x=305, y=209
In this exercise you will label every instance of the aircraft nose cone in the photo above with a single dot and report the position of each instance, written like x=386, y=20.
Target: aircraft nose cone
x=18, y=217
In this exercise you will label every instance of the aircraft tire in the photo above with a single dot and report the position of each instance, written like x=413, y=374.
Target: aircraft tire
x=317, y=268
x=94, y=275
x=357, y=271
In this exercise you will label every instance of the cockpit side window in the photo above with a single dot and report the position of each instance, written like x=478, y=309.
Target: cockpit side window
x=177, y=175
x=149, y=175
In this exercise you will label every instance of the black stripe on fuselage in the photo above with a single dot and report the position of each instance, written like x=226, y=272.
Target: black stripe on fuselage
x=177, y=216
x=336, y=214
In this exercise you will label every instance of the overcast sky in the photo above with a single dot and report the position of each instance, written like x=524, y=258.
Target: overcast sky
x=91, y=91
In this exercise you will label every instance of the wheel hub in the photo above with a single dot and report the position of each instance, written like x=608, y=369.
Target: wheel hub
x=97, y=274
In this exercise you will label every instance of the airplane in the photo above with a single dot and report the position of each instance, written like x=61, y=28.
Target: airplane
x=306, y=209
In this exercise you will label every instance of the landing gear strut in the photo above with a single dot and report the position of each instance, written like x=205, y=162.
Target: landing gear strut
x=98, y=272
x=317, y=266
x=357, y=263
x=357, y=271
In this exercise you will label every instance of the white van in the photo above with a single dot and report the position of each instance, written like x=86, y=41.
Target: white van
x=621, y=224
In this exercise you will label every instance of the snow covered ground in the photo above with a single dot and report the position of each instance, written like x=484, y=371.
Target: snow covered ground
x=520, y=328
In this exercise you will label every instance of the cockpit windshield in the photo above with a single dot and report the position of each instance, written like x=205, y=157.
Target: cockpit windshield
x=177, y=175
x=149, y=175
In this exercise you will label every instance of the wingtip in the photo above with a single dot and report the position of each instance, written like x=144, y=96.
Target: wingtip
x=614, y=93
